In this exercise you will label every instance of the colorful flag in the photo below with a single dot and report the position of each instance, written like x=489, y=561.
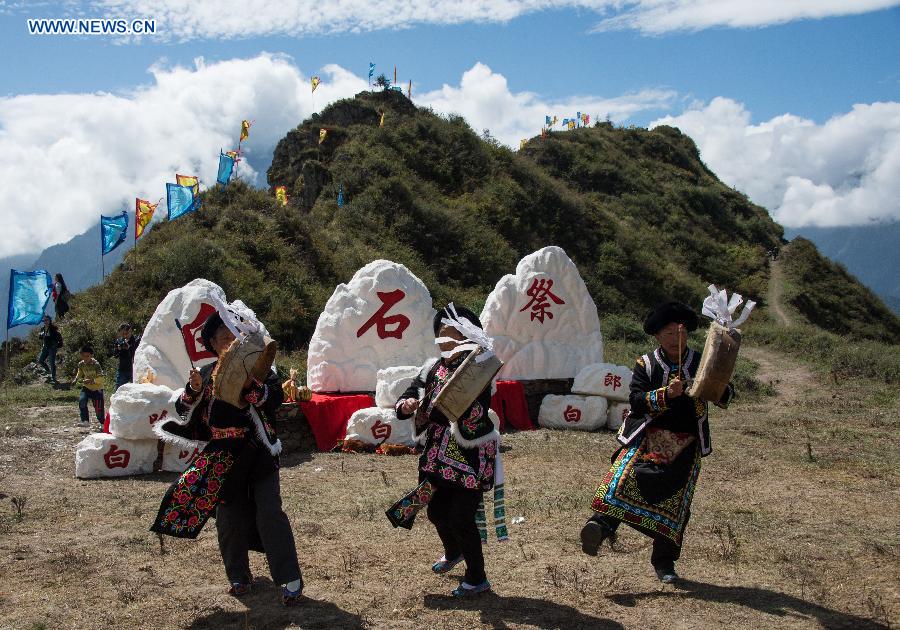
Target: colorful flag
x=547, y=120
x=544, y=133
x=554, y=121
x=409, y=90
x=180, y=200
x=315, y=83
x=113, y=231
x=578, y=118
x=341, y=196
x=29, y=292
x=395, y=74
x=522, y=144
x=281, y=195
x=587, y=120
x=322, y=134
x=188, y=180
x=571, y=125
x=143, y=212
x=371, y=70
x=226, y=168
x=381, y=124
x=245, y=129
x=232, y=154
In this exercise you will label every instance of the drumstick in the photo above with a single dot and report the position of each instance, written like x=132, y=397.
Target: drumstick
x=178, y=324
x=680, y=351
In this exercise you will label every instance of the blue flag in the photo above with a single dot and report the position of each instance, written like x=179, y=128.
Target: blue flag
x=113, y=231
x=29, y=292
x=180, y=200
x=341, y=196
x=547, y=121
x=226, y=168
x=371, y=69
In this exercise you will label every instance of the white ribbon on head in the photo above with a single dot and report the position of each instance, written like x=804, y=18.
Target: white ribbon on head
x=240, y=325
x=719, y=308
x=475, y=337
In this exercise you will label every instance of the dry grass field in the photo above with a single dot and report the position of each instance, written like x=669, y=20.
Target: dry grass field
x=795, y=525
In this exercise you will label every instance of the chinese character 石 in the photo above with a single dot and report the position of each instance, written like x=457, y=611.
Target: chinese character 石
x=388, y=299
x=572, y=414
x=539, y=291
x=116, y=458
x=381, y=430
x=612, y=379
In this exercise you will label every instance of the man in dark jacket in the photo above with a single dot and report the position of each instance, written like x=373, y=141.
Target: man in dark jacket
x=51, y=341
x=124, y=348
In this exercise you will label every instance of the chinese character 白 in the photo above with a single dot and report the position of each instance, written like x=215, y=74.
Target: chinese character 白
x=381, y=430
x=116, y=457
x=572, y=414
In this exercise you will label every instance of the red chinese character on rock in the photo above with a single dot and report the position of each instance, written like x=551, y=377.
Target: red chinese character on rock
x=388, y=299
x=612, y=379
x=572, y=414
x=381, y=430
x=183, y=454
x=539, y=291
x=116, y=457
x=154, y=417
x=191, y=334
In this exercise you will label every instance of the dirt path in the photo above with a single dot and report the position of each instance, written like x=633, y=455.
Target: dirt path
x=792, y=381
x=776, y=286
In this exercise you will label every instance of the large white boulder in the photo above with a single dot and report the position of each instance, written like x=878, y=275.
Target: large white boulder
x=177, y=458
x=613, y=382
x=582, y=413
x=105, y=455
x=543, y=320
x=381, y=317
x=135, y=407
x=163, y=351
x=376, y=424
x=392, y=382
x=616, y=415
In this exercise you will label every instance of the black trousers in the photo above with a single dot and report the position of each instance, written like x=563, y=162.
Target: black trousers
x=665, y=552
x=452, y=510
x=256, y=515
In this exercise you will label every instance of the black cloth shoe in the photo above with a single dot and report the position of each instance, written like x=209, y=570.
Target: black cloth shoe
x=666, y=575
x=592, y=536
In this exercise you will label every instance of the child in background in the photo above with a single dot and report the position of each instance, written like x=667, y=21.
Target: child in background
x=90, y=377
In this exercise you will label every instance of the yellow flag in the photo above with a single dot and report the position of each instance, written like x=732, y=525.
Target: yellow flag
x=571, y=125
x=281, y=195
x=381, y=124
x=315, y=83
x=143, y=212
x=188, y=180
x=245, y=129
x=322, y=134
x=232, y=154
x=554, y=121
x=522, y=144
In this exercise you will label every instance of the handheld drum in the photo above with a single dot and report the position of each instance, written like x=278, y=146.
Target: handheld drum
x=466, y=384
x=250, y=356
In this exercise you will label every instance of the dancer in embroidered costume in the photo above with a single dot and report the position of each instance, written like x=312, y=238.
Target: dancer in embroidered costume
x=654, y=472
x=234, y=476
x=460, y=457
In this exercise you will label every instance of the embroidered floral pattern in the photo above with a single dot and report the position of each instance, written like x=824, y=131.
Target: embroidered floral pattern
x=191, y=500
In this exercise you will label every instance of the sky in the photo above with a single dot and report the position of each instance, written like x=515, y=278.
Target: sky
x=796, y=103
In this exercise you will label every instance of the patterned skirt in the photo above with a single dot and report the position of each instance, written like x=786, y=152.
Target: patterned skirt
x=651, y=497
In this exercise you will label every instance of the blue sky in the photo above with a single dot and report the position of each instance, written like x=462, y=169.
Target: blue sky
x=769, y=97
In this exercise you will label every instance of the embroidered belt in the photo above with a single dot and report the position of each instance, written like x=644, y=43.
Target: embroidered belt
x=228, y=433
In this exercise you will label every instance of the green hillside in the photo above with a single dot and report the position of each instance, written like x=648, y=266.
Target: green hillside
x=637, y=211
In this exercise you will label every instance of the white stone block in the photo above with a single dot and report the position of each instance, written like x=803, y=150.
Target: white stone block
x=613, y=382
x=176, y=458
x=135, y=407
x=392, y=382
x=582, y=413
x=616, y=414
x=105, y=455
x=374, y=424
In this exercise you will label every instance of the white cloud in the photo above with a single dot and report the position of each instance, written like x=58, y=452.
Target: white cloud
x=225, y=19
x=70, y=157
x=843, y=172
x=483, y=98
x=664, y=16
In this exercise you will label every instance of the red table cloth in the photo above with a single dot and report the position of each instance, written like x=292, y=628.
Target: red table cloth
x=509, y=403
x=327, y=415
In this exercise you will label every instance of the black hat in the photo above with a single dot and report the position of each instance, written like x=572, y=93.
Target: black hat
x=667, y=313
x=462, y=313
x=210, y=326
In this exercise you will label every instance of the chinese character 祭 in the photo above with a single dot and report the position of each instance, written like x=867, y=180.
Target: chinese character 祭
x=540, y=295
x=461, y=458
x=235, y=475
x=651, y=482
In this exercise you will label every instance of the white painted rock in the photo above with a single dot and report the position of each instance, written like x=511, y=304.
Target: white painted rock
x=163, y=351
x=381, y=317
x=176, y=458
x=392, y=382
x=374, y=424
x=134, y=407
x=105, y=455
x=543, y=320
x=616, y=414
x=613, y=382
x=583, y=413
